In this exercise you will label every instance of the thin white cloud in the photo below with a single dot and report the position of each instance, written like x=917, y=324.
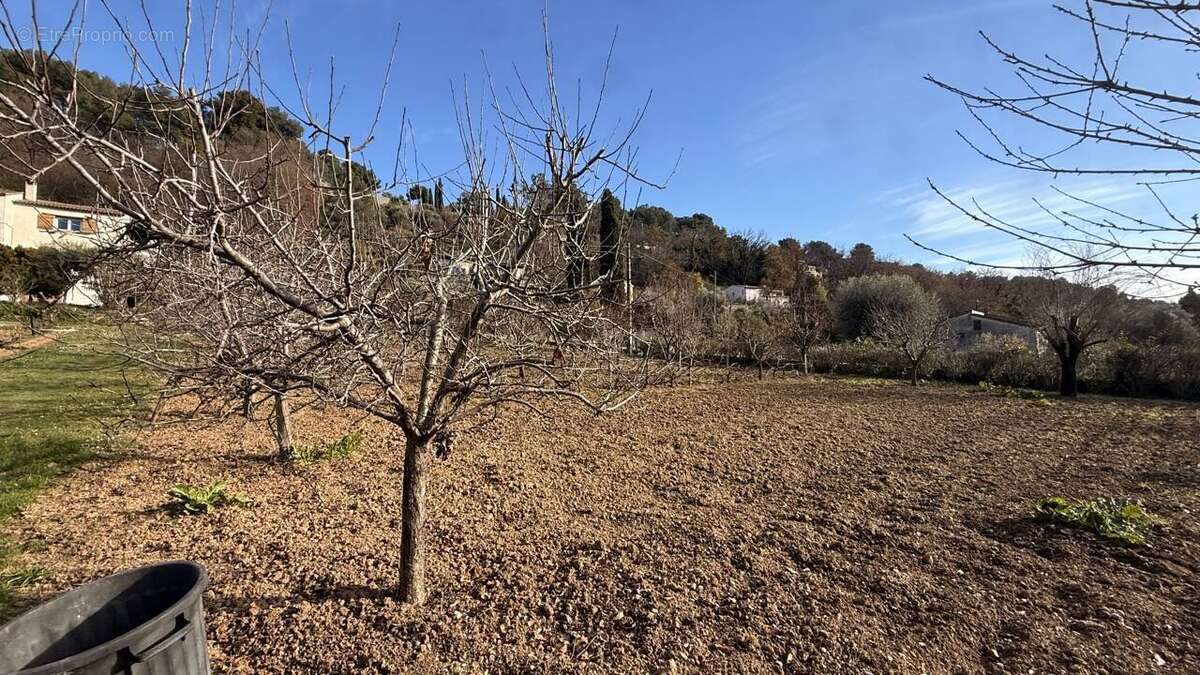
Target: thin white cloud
x=1001, y=252
x=1017, y=203
x=929, y=219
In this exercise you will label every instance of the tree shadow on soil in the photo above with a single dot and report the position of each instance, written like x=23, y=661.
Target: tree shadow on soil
x=1180, y=478
x=1043, y=539
x=1056, y=544
x=173, y=458
x=314, y=594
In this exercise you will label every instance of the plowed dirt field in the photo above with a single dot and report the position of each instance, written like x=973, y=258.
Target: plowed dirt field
x=787, y=525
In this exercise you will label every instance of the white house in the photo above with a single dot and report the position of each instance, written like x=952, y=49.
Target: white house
x=743, y=294
x=29, y=222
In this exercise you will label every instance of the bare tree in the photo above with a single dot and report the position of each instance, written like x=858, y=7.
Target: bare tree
x=281, y=423
x=755, y=336
x=808, y=314
x=269, y=275
x=1094, y=103
x=678, y=315
x=1074, y=312
x=915, y=330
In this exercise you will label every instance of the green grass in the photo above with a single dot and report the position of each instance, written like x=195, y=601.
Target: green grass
x=54, y=402
x=47, y=316
x=343, y=447
x=24, y=577
x=868, y=382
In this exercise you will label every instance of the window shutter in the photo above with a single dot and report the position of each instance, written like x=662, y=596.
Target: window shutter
x=89, y=226
x=45, y=221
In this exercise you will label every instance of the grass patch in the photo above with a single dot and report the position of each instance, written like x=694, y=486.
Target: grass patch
x=54, y=401
x=24, y=577
x=343, y=447
x=1118, y=520
x=868, y=382
x=28, y=463
x=42, y=315
x=13, y=580
x=1038, y=397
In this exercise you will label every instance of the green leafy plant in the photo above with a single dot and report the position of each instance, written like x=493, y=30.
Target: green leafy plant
x=1120, y=520
x=195, y=500
x=1038, y=397
x=343, y=447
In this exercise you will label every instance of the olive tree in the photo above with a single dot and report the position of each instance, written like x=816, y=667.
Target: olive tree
x=754, y=335
x=1074, y=312
x=859, y=298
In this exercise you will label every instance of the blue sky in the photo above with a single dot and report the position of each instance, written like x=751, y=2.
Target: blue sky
x=803, y=119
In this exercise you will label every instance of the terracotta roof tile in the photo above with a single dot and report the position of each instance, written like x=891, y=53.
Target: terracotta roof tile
x=82, y=208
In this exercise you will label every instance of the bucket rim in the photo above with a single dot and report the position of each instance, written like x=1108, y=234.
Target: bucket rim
x=118, y=643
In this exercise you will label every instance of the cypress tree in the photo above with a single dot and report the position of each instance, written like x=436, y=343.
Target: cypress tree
x=610, y=242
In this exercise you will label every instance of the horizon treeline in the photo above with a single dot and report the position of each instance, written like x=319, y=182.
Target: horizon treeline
x=658, y=241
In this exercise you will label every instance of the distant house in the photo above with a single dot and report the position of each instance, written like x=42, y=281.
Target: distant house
x=29, y=222
x=746, y=295
x=968, y=329
x=743, y=294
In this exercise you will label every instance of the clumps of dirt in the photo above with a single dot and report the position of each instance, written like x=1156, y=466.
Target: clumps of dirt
x=788, y=525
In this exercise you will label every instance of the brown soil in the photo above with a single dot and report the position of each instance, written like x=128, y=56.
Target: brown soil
x=10, y=333
x=13, y=345
x=749, y=527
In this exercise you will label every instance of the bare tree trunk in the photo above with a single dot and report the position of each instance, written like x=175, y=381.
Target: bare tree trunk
x=915, y=370
x=1068, y=384
x=412, y=536
x=283, y=425
x=804, y=359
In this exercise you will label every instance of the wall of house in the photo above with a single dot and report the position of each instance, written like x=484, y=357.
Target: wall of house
x=6, y=230
x=963, y=327
x=20, y=228
x=743, y=293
